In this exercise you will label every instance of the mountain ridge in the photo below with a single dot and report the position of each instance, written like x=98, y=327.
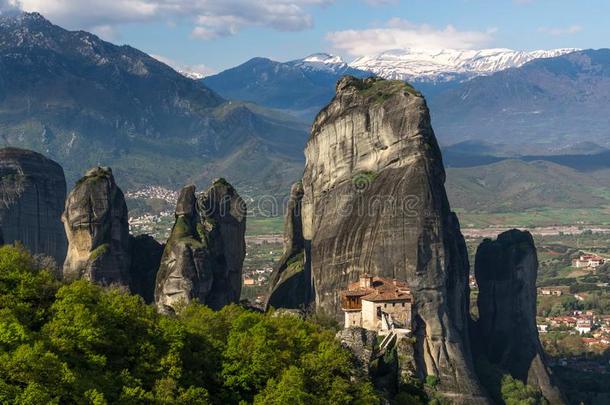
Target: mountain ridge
x=444, y=65
x=552, y=102
x=272, y=84
x=83, y=101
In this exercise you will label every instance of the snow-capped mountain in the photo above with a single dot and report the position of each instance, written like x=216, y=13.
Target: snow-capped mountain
x=301, y=86
x=191, y=74
x=427, y=65
x=321, y=62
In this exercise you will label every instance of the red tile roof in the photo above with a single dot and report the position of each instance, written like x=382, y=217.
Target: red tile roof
x=387, y=296
x=382, y=289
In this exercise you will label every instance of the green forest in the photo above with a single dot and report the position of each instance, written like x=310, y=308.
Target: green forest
x=85, y=344
x=81, y=343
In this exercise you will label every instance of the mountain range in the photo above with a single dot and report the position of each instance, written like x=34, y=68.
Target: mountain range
x=301, y=87
x=433, y=72
x=539, y=102
x=552, y=103
x=83, y=101
x=445, y=65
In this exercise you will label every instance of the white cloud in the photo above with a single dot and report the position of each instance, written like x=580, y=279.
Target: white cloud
x=210, y=18
x=9, y=7
x=194, y=71
x=572, y=29
x=106, y=32
x=399, y=34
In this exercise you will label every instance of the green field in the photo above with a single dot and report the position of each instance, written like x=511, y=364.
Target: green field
x=536, y=217
x=264, y=226
x=581, y=217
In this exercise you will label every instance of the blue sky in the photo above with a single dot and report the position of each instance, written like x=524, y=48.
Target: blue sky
x=212, y=35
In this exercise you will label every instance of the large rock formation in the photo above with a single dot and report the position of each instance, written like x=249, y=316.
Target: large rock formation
x=291, y=281
x=505, y=334
x=96, y=224
x=204, y=254
x=32, y=194
x=374, y=202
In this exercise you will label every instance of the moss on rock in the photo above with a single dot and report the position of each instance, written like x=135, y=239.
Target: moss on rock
x=99, y=251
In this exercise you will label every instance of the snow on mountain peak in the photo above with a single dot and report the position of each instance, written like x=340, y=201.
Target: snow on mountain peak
x=325, y=58
x=438, y=65
x=321, y=61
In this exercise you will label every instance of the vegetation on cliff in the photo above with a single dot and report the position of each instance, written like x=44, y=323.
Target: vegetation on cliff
x=83, y=343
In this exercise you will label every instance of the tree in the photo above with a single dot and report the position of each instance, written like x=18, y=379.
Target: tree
x=84, y=343
x=515, y=392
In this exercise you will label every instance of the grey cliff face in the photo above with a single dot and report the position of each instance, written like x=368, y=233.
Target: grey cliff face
x=32, y=193
x=96, y=224
x=290, y=283
x=361, y=343
x=204, y=255
x=374, y=202
x=223, y=214
x=505, y=333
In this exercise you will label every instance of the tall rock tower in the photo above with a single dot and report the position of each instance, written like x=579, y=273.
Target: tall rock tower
x=32, y=195
x=506, y=334
x=204, y=254
x=291, y=283
x=96, y=224
x=374, y=202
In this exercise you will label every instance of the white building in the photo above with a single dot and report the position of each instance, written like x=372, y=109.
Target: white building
x=584, y=325
x=588, y=261
x=378, y=304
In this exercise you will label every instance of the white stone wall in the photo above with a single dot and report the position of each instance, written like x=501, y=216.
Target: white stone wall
x=398, y=312
x=353, y=318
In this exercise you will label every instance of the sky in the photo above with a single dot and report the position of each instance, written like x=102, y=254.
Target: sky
x=212, y=35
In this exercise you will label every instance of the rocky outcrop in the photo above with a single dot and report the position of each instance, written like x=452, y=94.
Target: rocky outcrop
x=32, y=195
x=145, y=254
x=290, y=282
x=361, y=343
x=223, y=212
x=380, y=365
x=182, y=273
x=374, y=202
x=96, y=224
x=204, y=254
x=505, y=334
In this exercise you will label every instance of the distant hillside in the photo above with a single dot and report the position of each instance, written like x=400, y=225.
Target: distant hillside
x=302, y=86
x=83, y=101
x=515, y=185
x=546, y=103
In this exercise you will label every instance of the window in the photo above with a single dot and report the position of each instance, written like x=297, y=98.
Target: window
x=393, y=304
x=378, y=312
x=403, y=304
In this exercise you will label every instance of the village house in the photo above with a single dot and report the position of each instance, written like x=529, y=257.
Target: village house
x=584, y=325
x=568, y=321
x=377, y=304
x=550, y=291
x=588, y=261
x=581, y=296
